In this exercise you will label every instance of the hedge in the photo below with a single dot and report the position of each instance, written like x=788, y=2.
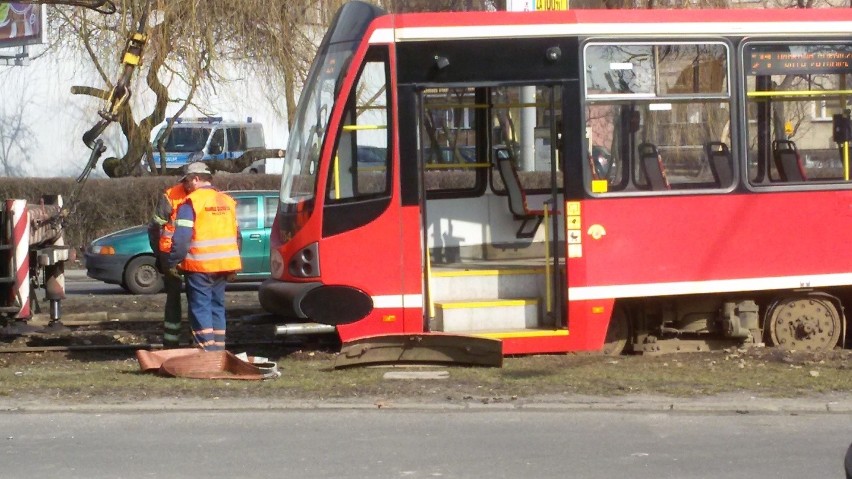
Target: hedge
x=101, y=206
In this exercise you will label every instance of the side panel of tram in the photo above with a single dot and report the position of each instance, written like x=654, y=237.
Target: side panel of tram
x=727, y=170
x=381, y=258
x=679, y=195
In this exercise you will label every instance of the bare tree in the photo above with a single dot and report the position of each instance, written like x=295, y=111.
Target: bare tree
x=15, y=136
x=196, y=46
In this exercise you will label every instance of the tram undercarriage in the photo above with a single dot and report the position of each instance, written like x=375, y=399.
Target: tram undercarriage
x=804, y=320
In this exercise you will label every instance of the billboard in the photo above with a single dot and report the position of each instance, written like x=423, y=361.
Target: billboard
x=21, y=24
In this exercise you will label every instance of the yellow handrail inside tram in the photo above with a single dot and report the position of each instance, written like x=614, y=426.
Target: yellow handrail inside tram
x=363, y=127
x=336, y=177
x=447, y=166
x=548, y=287
x=796, y=93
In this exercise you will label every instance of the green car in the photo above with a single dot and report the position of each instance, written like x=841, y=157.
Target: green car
x=125, y=257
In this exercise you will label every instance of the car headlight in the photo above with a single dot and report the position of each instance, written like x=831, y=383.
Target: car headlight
x=103, y=249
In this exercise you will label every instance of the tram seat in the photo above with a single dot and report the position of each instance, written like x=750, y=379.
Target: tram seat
x=719, y=157
x=530, y=219
x=787, y=161
x=652, y=166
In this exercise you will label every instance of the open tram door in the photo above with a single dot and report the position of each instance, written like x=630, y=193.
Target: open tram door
x=489, y=163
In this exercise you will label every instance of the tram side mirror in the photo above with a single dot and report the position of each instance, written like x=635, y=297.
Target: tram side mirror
x=842, y=127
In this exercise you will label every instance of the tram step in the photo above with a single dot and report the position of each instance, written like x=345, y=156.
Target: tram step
x=487, y=284
x=479, y=315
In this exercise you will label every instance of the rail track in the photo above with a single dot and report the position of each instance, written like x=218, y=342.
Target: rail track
x=118, y=332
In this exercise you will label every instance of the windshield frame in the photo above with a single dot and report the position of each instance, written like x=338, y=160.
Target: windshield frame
x=319, y=100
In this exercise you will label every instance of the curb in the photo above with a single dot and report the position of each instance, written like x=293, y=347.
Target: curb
x=638, y=405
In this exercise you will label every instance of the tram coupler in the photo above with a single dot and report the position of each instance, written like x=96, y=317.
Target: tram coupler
x=295, y=329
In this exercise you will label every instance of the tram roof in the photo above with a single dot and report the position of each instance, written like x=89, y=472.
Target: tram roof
x=685, y=22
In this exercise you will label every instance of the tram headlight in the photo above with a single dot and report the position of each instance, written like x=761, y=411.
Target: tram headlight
x=305, y=263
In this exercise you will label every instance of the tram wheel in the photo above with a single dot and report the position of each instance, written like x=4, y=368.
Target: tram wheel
x=617, y=333
x=807, y=322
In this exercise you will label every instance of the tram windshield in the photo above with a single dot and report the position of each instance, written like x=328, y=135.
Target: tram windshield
x=301, y=166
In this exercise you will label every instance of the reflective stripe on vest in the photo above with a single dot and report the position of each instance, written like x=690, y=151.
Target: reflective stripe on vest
x=213, y=248
x=176, y=196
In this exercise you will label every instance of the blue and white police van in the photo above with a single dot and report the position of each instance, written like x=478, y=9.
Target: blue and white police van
x=208, y=138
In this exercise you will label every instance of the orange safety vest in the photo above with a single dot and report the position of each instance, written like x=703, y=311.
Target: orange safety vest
x=213, y=248
x=176, y=195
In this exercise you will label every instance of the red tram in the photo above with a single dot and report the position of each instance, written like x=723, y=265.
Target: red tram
x=611, y=180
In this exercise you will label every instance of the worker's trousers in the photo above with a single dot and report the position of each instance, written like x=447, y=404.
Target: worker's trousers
x=205, y=296
x=172, y=317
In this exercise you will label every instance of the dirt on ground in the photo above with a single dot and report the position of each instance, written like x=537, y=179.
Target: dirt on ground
x=112, y=374
x=236, y=302
x=116, y=320
x=131, y=319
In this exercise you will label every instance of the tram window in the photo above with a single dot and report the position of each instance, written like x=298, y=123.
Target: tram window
x=524, y=121
x=448, y=132
x=675, y=96
x=792, y=93
x=361, y=165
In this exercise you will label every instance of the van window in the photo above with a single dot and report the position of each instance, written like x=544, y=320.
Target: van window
x=236, y=139
x=254, y=137
x=185, y=140
x=217, y=143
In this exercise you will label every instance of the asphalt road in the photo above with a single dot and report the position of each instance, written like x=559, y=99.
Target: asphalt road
x=346, y=443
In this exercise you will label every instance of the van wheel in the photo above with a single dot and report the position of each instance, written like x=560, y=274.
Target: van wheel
x=141, y=276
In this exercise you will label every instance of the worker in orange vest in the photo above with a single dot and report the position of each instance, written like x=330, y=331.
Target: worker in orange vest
x=206, y=250
x=161, y=228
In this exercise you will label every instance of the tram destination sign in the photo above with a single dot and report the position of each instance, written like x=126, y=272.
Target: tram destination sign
x=811, y=61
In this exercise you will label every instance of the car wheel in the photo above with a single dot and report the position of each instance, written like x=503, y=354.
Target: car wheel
x=141, y=276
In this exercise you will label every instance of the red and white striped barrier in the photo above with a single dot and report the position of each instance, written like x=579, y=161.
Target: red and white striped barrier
x=20, y=294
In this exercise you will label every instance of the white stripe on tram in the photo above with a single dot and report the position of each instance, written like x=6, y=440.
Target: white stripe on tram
x=398, y=301
x=584, y=293
x=704, y=287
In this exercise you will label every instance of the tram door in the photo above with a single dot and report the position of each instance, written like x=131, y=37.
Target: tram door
x=364, y=225
x=492, y=182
